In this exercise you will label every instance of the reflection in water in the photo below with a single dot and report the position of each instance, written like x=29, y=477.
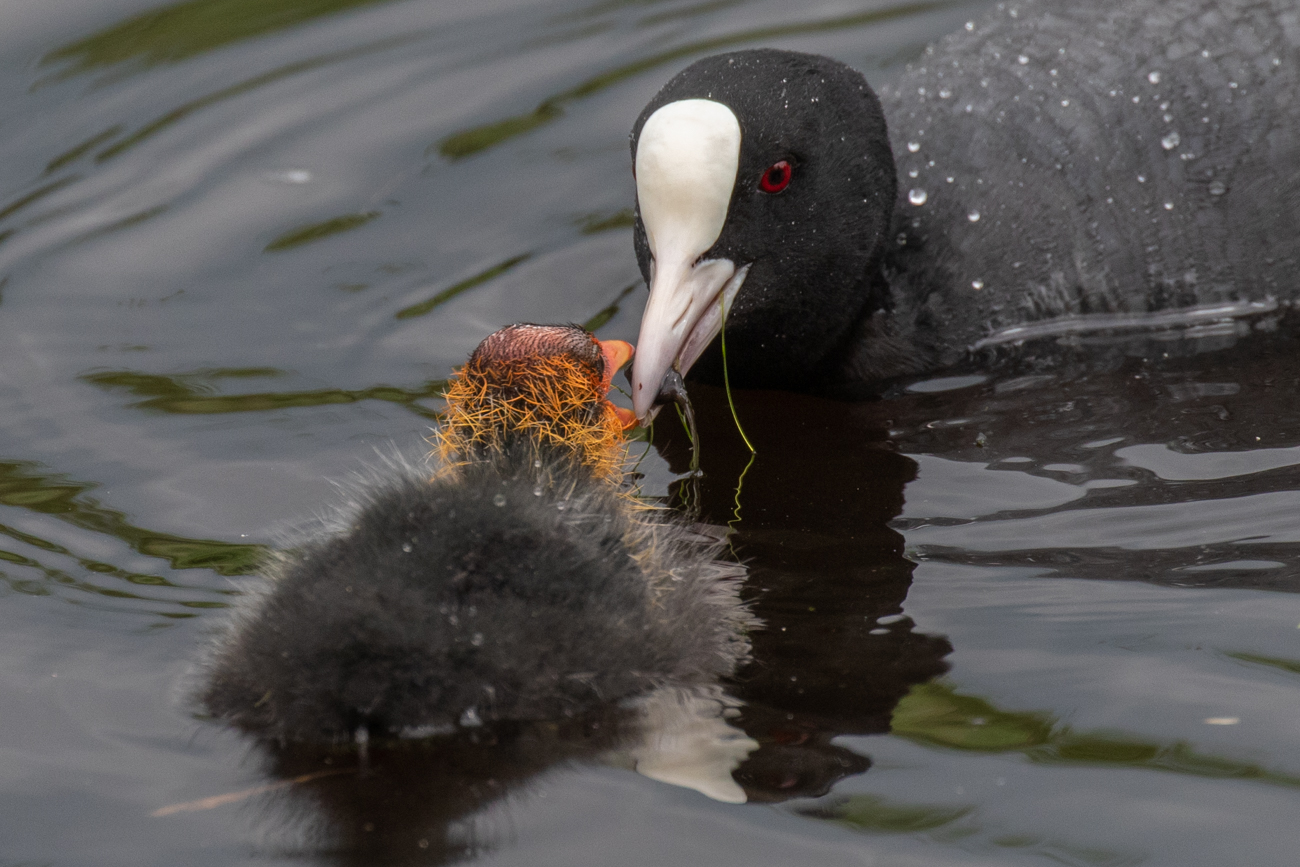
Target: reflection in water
x=471, y=141
x=174, y=33
x=934, y=714
x=23, y=485
x=827, y=577
x=190, y=393
x=425, y=307
x=248, y=85
x=1291, y=666
x=686, y=738
x=75, y=153
x=1177, y=470
x=413, y=801
x=317, y=231
x=36, y=195
x=595, y=223
x=944, y=823
x=26, y=486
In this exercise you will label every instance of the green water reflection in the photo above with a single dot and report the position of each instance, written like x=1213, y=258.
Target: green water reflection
x=875, y=814
x=24, y=485
x=167, y=119
x=316, y=231
x=594, y=224
x=957, y=824
x=465, y=285
x=1291, y=666
x=934, y=715
x=191, y=393
x=196, y=393
x=604, y=315
x=686, y=12
x=77, y=151
x=183, y=111
x=479, y=138
x=36, y=195
x=174, y=33
x=30, y=567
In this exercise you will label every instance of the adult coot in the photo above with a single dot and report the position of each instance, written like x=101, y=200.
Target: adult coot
x=519, y=583
x=1055, y=167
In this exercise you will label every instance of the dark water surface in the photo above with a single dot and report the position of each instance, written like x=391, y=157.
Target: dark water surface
x=1037, y=617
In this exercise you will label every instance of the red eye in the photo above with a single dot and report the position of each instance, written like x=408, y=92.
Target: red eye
x=776, y=178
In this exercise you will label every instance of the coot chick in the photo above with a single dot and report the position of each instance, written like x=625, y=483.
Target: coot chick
x=518, y=583
x=1061, y=167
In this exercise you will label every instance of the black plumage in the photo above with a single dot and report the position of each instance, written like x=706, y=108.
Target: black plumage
x=1055, y=167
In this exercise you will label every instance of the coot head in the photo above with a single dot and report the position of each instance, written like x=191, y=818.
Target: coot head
x=765, y=184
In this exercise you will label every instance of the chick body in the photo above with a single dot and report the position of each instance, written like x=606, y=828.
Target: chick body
x=519, y=582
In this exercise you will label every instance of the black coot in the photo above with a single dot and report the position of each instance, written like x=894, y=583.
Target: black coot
x=1056, y=167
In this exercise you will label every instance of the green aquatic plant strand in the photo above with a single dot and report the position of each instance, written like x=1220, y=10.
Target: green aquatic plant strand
x=726, y=384
x=646, y=435
x=735, y=513
x=688, y=488
x=726, y=381
x=636, y=467
x=688, y=425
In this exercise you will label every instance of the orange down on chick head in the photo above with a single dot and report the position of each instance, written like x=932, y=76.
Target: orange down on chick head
x=547, y=384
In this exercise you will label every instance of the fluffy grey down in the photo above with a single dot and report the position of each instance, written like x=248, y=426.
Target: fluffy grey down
x=501, y=591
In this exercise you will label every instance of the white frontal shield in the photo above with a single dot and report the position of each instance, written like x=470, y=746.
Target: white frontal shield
x=686, y=161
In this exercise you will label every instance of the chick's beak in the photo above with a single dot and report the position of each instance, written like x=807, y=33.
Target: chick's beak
x=617, y=354
x=626, y=417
